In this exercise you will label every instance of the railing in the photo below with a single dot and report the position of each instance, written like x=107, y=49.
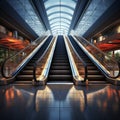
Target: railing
x=78, y=66
x=107, y=64
x=42, y=65
x=16, y=62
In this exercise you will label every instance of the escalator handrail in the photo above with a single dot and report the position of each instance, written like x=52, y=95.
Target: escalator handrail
x=37, y=62
x=3, y=64
x=105, y=73
x=93, y=46
x=83, y=62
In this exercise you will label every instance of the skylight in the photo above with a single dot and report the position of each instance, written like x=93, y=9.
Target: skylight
x=60, y=14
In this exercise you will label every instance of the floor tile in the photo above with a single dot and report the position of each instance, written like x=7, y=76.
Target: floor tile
x=46, y=114
x=71, y=114
x=60, y=102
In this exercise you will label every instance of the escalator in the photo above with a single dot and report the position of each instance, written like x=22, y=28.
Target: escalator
x=94, y=74
x=60, y=70
x=26, y=74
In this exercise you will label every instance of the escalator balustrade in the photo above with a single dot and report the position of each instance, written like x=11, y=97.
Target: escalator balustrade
x=94, y=74
x=26, y=74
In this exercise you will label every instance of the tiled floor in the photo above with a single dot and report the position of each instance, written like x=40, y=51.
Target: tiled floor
x=60, y=102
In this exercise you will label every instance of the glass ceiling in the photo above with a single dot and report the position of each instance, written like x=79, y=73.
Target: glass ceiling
x=91, y=14
x=60, y=14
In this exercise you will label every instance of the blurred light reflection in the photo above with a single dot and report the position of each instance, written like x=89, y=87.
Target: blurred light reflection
x=104, y=98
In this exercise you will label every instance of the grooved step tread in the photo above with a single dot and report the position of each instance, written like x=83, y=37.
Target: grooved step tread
x=90, y=72
x=25, y=77
x=60, y=64
x=93, y=72
x=89, y=64
x=96, y=77
x=60, y=71
x=27, y=72
x=60, y=61
x=59, y=56
x=22, y=83
x=34, y=59
x=28, y=68
x=31, y=63
x=91, y=67
x=62, y=55
x=60, y=77
x=60, y=67
x=97, y=82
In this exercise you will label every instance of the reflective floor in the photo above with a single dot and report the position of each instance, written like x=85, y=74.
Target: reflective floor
x=60, y=102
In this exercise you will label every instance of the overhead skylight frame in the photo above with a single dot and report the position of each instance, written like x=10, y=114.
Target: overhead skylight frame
x=60, y=13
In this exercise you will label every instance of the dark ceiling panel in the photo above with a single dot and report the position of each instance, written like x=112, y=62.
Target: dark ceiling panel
x=80, y=7
x=38, y=5
x=109, y=17
x=10, y=18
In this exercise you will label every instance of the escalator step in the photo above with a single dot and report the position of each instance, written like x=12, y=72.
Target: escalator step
x=60, y=77
x=60, y=67
x=28, y=68
x=91, y=67
x=93, y=72
x=88, y=64
x=60, y=72
x=30, y=64
x=90, y=72
x=25, y=77
x=96, y=77
x=60, y=61
x=22, y=83
x=28, y=72
x=60, y=64
x=97, y=82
